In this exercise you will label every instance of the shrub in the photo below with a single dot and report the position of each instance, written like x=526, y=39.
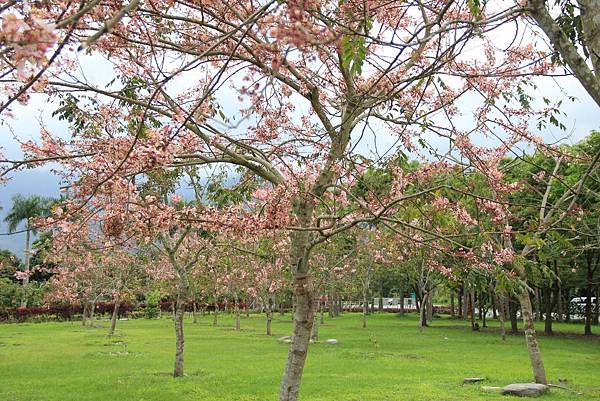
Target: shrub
x=151, y=305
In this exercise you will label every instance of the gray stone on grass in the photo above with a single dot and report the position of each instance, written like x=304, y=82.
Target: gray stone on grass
x=332, y=341
x=470, y=380
x=525, y=389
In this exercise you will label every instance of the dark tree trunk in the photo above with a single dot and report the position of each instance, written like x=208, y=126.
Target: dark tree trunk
x=460, y=302
x=472, y=310
x=452, y=314
x=269, y=315
x=514, y=327
x=321, y=312
x=502, y=316
x=596, y=316
x=549, y=306
x=216, y=313
x=113, y=320
x=401, y=298
x=365, y=307
x=84, y=315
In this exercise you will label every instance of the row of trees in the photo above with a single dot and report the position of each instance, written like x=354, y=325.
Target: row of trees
x=315, y=80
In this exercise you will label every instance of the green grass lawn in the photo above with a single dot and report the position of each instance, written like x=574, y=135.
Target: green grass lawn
x=388, y=361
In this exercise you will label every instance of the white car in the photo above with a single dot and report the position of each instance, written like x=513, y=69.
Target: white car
x=578, y=305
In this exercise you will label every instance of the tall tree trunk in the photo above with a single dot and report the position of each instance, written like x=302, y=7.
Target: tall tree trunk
x=84, y=314
x=401, y=298
x=194, y=312
x=380, y=306
x=596, y=316
x=269, y=315
x=423, y=312
x=460, y=302
x=548, y=307
x=512, y=307
x=92, y=313
x=465, y=304
x=538, y=304
x=502, y=316
x=113, y=320
x=471, y=309
x=179, y=340
x=535, y=356
x=588, y=304
x=321, y=312
x=559, y=301
x=314, y=334
x=27, y=262
x=303, y=322
x=237, y=312
x=365, y=307
x=452, y=314
x=330, y=305
x=216, y=313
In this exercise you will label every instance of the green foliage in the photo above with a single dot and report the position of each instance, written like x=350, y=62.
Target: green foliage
x=10, y=293
x=25, y=209
x=569, y=21
x=354, y=47
x=152, y=301
x=475, y=8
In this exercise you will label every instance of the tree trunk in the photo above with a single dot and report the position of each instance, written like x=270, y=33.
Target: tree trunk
x=179, y=340
x=269, y=315
x=538, y=304
x=589, y=293
x=596, y=316
x=303, y=321
x=465, y=304
x=321, y=312
x=27, y=261
x=365, y=307
x=330, y=305
x=194, y=312
x=314, y=334
x=380, y=306
x=548, y=307
x=560, y=303
x=460, y=302
x=429, y=305
x=237, y=312
x=401, y=298
x=512, y=307
x=92, y=313
x=502, y=316
x=423, y=312
x=537, y=365
x=452, y=314
x=472, y=309
x=113, y=320
x=84, y=314
x=216, y=314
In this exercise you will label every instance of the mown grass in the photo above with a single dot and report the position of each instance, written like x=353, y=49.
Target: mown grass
x=388, y=361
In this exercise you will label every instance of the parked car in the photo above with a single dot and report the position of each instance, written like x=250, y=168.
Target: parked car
x=578, y=305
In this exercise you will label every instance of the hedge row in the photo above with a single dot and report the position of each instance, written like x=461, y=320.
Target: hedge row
x=69, y=311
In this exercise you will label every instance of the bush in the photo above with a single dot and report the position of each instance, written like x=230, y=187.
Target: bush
x=151, y=305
